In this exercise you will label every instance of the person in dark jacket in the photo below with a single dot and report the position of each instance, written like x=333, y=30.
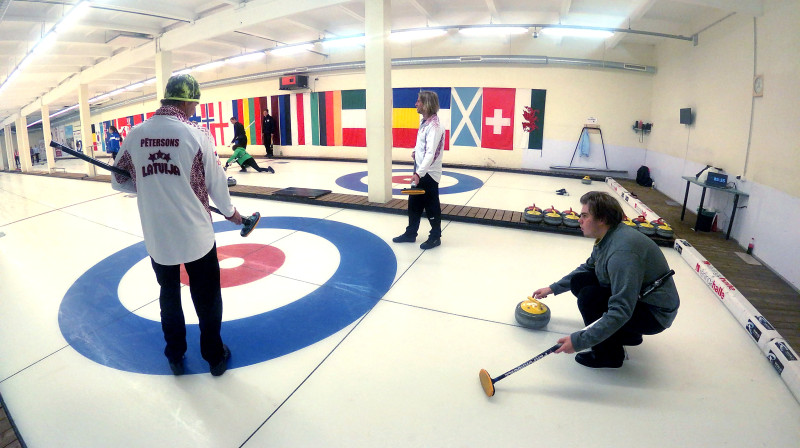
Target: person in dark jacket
x=267, y=130
x=623, y=262
x=239, y=136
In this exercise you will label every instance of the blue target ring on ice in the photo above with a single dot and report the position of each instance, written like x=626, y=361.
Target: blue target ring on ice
x=96, y=324
x=464, y=182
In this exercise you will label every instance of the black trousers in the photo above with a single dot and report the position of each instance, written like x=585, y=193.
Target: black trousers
x=268, y=144
x=251, y=162
x=429, y=202
x=204, y=285
x=593, y=302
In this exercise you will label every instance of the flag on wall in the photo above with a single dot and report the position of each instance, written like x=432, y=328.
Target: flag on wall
x=497, y=125
x=281, y=106
x=529, y=111
x=211, y=118
x=354, y=118
x=406, y=120
x=466, y=115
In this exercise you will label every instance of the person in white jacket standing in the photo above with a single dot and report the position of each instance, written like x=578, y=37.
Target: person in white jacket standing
x=427, y=157
x=174, y=169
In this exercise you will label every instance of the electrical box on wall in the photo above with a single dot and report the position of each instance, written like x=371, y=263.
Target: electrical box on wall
x=294, y=82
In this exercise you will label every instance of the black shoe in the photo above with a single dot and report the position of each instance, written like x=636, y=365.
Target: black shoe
x=220, y=368
x=270, y=170
x=431, y=243
x=243, y=170
x=404, y=238
x=177, y=367
x=590, y=359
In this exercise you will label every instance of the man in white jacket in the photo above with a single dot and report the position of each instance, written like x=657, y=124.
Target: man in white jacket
x=427, y=157
x=173, y=170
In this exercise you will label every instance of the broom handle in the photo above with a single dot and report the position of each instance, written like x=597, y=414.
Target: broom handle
x=106, y=166
x=527, y=363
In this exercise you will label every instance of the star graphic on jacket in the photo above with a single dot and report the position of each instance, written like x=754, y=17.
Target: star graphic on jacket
x=166, y=157
x=152, y=157
x=159, y=154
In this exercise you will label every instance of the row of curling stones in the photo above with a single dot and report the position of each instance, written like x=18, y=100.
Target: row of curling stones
x=656, y=227
x=532, y=313
x=551, y=216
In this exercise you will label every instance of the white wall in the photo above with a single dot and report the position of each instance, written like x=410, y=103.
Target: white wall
x=715, y=79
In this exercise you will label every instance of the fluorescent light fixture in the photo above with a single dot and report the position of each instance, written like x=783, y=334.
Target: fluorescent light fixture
x=209, y=66
x=185, y=71
x=354, y=41
x=63, y=111
x=492, y=30
x=291, y=49
x=409, y=35
x=577, y=32
x=249, y=57
x=138, y=85
x=149, y=81
x=46, y=40
x=74, y=15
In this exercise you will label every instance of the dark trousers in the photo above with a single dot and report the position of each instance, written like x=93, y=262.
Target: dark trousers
x=251, y=162
x=428, y=202
x=268, y=144
x=204, y=285
x=593, y=302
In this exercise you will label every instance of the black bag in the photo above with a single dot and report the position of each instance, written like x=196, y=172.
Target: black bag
x=643, y=177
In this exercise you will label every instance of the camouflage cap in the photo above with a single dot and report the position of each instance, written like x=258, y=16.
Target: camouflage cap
x=182, y=88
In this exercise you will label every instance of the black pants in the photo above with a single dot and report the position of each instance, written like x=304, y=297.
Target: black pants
x=251, y=162
x=428, y=202
x=268, y=144
x=204, y=285
x=593, y=302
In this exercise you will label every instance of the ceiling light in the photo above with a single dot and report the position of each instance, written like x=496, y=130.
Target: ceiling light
x=209, y=66
x=492, y=30
x=286, y=50
x=577, y=32
x=409, y=35
x=246, y=57
x=345, y=42
x=185, y=71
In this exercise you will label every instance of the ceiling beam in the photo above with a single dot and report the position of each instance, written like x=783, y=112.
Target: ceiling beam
x=750, y=7
x=493, y=14
x=146, y=7
x=353, y=14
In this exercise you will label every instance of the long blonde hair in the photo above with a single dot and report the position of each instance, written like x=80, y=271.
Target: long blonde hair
x=430, y=102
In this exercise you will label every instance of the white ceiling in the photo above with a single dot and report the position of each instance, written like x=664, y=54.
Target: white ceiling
x=113, y=45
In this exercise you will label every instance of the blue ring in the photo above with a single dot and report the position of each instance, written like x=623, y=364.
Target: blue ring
x=96, y=324
x=465, y=182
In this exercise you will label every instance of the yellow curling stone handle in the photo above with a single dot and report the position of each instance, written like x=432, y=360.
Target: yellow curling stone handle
x=533, y=306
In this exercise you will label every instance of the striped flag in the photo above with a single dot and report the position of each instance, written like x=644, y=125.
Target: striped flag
x=354, y=118
x=282, y=112
x=406, y=120
x=529, y=111
x=211, y=118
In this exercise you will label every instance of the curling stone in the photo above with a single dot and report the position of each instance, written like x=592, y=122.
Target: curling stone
x=627, y=221
x=647, y=228
x=665, y=231
x=553, y=218
x=570, y=218
x=639, y=220
x=533, y=214
x=231, y=181
x=586, y=180
x=532, y=313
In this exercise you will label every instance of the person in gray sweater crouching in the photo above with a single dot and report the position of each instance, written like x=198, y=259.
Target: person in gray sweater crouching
x=609, y=286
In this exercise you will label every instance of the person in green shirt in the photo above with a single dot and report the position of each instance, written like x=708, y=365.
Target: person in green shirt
x=244, y=160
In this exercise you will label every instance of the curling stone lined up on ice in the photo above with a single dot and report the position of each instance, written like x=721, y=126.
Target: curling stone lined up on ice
x=532, y=313
x=533, y=214
x=586, y=180
x=643, y=226
x=570, y=218
x=552, y=216
x=627, y=221
x=231, y=181
x=662, y=228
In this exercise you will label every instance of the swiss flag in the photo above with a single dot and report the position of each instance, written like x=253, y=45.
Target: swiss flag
x=497, y=122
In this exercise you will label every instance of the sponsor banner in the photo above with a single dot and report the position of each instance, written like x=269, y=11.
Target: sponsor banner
x=634, y=202
x=786, y=362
